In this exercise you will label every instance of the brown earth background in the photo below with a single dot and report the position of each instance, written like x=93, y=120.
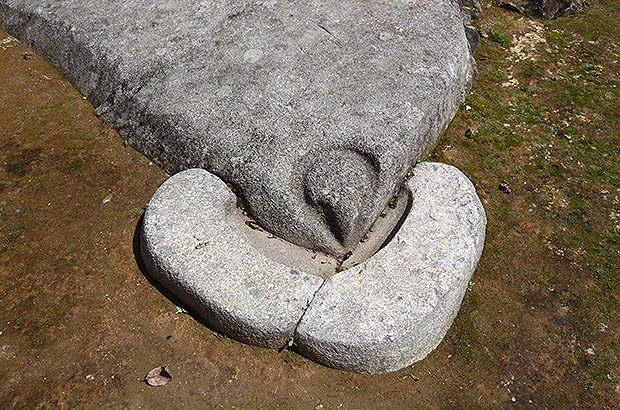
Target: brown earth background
x=81, y=325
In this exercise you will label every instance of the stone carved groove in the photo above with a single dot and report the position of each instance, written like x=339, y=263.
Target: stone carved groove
x=378, y=316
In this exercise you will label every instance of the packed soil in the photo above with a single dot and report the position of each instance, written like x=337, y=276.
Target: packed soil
x=81, y=322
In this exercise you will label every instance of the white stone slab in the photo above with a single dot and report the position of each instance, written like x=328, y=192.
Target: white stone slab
x=379, y=316
x=194, y=244
x=395, y=308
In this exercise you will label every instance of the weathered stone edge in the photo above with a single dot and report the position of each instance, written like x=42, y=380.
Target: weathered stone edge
x=191, y=244
x=396, y=307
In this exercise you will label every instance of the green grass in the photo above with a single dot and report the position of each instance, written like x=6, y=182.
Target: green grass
x=498, y=36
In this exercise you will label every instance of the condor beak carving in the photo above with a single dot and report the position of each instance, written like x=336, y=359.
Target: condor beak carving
x=340, y=187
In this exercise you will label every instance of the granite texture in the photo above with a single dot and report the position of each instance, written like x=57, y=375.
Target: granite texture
x=271, y=96
x=379, y=316
x=315, y=111
x=192, y=242
x=394, y=308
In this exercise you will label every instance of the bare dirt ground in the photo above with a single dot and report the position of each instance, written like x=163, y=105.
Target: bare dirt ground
x=81, y=324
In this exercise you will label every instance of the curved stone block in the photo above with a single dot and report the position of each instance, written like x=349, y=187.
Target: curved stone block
x=193, y=243
x=378, y=316
x=395, y=308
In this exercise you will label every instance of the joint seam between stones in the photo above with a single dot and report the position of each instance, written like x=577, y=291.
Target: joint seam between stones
x=314, y=295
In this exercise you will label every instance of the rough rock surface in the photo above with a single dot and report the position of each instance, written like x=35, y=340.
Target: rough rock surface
x=395, y=308
x=548, y=9
x=271, y=96
x=471, y=7
x=193, y=243
x=378, y=316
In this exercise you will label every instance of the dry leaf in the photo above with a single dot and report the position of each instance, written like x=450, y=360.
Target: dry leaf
x=158, y=377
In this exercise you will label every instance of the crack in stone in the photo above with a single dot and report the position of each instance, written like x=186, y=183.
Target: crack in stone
x=308, y=304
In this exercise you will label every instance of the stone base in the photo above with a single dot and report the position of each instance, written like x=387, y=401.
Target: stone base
x=377, y=316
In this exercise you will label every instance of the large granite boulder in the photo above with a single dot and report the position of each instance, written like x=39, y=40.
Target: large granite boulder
x=313, y=110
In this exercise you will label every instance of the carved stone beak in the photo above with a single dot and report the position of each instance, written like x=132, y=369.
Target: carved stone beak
x=340, y=187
